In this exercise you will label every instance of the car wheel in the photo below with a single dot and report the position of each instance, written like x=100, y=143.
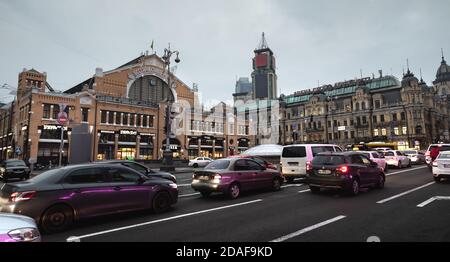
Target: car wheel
x=276, y=184
x=234, y=191
x=399, y=164
x=161, y=202
x=195, y=165
x=409, y=163
x=205, y=193
x=381, y=181
x=314, y=189
x=385, y=168
x=437, y=179
x=354, y=190
x=57, y=218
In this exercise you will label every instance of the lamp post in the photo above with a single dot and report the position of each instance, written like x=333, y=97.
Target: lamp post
x=167, y=154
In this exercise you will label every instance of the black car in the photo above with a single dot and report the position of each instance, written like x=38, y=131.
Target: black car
x=141, y=169
x=348, y=171
x=14, y=168
x=59, y=197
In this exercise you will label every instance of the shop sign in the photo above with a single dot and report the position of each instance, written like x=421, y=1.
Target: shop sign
x=106, y=132
x=341, y=128
x=146, y=134
x=52, y=127
x=128, y=132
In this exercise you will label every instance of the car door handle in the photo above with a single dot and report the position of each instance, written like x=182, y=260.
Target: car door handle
x=117, y=188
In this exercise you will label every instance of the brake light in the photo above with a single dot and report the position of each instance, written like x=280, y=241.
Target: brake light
x=308, y=166
x=21, y=196
x=216, y=176
x=427, y=153
x=343, y=169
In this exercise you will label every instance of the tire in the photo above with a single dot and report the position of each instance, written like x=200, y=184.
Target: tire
x=385, y=168
x=354, y=189
x=409, y=163
x=314, y=189
x=205, y=193
x=276, y=184
x=57, y=218
x=195, y=165
x=381, y=181
x=399, y=165
x=234, y=191
x=161, y=202
x=437, y=179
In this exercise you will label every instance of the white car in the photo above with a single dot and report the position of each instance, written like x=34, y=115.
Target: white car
x=200, y=161
x=441, y=166
x=397, y=159
x=377, y=158
x=18, y=228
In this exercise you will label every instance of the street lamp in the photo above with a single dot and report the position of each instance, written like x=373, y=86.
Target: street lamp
x=167, y=154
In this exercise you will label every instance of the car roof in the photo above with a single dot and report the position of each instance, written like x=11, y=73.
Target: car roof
x=310, y=145
x=347, y=153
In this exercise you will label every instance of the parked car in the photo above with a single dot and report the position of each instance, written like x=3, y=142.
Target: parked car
x=234, y=175
x=200, y=162
x=397, y=159
x=14, y=168
x=415, y=156
x=377, y=158
x=141, y=169
x=59, y=197
x=382, y=149
x=442, y=147
x=294, y=158
x=441, y=166
x=18, y=228
x=259, y=160
x=349, y=171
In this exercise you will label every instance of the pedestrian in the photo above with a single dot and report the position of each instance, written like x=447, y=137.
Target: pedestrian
x=434, y=153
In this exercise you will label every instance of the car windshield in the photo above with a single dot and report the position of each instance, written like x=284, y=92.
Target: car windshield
x=15, y=163
x=319, y=149
x=328, y=160
x=218, y=164
x=294, y=151
x=409, y=152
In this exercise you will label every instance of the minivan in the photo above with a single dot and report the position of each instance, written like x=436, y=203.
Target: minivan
x=295, y=158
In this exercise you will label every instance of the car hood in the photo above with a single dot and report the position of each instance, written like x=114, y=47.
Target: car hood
x=10, y=222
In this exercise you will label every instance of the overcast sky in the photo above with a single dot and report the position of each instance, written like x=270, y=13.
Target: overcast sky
x=325, y=41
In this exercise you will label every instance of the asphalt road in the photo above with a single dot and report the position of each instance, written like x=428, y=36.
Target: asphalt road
x=292, y=214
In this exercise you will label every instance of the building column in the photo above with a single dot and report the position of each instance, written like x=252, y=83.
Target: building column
x=138, y=147
x=51, y=111
x=116, y=145
x=96, y=140
x=213, y=148
x=199, y=143
x=225, y=146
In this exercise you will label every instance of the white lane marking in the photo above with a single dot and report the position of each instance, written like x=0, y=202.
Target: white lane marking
x=164, y=219
x=404, y=193
x=181, y=185
x=424, y=203
x=305, y=230
x=292, y=185
x=303, y=191
x=188, y=195
x=410, y=169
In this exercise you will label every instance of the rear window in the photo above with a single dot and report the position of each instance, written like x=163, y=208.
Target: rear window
x=366, y=154
x=390, y=153
x=294, y=151
x=319, y=149
x=218, y=164
x=441, y=148
x=444, y=156
x=15, y=163
x=410, y=152
x=328, y=160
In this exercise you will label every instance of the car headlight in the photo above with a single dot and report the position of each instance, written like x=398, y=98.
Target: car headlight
x=24, y=234
x=173, y=185
x=2, y=169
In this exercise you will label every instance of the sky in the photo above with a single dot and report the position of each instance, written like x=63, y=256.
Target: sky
x=315, y=42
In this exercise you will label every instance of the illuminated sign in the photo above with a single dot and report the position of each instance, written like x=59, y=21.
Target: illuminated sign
x=52, y=127
x=128, y=132
x=341, y=128
x=107, y=132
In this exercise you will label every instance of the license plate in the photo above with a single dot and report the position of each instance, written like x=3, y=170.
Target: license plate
x=324, y=172
x=446, y=165
x=293, y=163
x=203, y=177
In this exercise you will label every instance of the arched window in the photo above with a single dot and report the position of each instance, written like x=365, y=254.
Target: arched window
x=150, y=89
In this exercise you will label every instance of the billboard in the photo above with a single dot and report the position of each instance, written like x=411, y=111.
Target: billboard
x=261, y=60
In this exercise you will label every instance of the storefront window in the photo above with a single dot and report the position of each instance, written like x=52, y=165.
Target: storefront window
x=52, y=132
x=126, y=153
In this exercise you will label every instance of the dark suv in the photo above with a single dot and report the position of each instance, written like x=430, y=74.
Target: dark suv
x=14, y=168
x=348, y=171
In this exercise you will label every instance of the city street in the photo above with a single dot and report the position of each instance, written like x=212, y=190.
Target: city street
x=292, y=214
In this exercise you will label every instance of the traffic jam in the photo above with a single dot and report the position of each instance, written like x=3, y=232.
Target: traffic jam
x=63, y=199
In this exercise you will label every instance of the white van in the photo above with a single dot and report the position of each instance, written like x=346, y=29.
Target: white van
x=294, y=158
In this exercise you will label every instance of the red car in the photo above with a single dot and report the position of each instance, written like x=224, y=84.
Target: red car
x=259, y=160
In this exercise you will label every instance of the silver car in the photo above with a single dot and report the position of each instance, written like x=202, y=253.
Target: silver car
x=17, y=228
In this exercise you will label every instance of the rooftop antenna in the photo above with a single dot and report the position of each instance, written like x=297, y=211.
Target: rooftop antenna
x=407, y=66
x=360, y=72
x=263, y=42
x=420, y=70
x=442, y=53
